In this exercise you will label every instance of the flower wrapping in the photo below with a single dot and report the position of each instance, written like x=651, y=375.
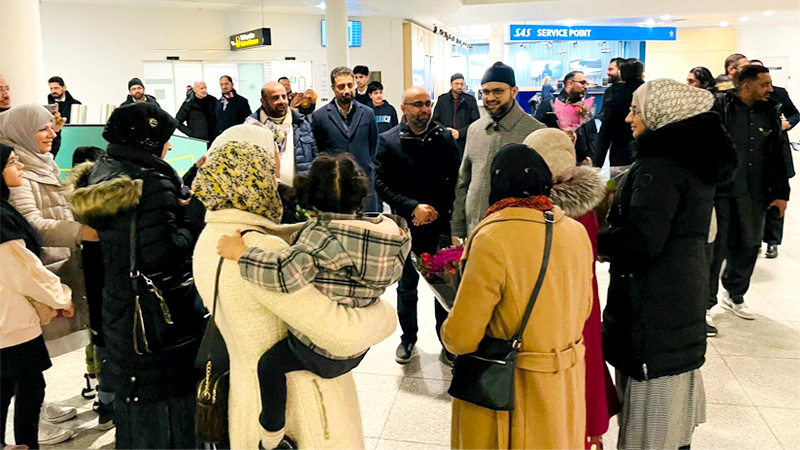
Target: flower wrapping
x=442, y=273
x=572, y=116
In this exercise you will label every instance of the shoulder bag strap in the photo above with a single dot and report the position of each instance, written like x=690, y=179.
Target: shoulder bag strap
x=549, y=218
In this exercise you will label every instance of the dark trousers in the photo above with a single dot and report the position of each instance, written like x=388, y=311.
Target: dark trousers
x=29, y=393
x=741, y=259
x=286, y=356
x=407, y=305
x=164, y=424
x=773, y=230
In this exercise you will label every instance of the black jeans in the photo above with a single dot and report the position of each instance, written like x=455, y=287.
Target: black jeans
x=29, y=393
x=741, y=260
x=773, y=230
x=286, y=356
x=407, y=305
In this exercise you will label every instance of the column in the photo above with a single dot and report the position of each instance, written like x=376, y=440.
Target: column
x=336, y=27
x=496, y=44
x=21, y=46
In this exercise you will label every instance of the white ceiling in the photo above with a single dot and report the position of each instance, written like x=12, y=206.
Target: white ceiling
x=472, y=19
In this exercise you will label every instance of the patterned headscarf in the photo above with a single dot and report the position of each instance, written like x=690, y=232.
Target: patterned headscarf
x=240, y=175
x=664, y=101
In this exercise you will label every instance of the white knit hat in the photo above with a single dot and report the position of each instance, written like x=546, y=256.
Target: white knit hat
x=557, y=150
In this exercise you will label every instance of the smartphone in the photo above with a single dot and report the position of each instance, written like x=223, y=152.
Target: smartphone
x=52, y=107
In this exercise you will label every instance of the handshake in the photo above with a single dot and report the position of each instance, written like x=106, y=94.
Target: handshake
x=424, y=214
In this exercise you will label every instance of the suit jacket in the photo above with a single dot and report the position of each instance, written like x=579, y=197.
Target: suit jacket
x=360, y=138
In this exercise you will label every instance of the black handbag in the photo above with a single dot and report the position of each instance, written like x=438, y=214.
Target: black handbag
x=211, y=416
x=486, y=376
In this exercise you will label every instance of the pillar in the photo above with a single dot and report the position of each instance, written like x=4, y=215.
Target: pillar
x=496, y=44
x=21, y=46
x=336, y=28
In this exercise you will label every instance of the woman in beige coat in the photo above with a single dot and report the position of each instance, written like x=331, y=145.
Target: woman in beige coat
x=320, y=413
x=501, y=263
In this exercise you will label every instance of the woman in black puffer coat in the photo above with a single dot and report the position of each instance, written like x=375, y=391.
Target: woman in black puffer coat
x=136, y=202
x=654, y=322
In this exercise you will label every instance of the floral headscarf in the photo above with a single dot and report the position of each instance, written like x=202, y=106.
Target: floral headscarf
x=664, y=101
x=240, y=175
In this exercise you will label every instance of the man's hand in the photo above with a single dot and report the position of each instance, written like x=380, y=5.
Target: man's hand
x=454, y=132
x=200, y=162
x=186, y=201
x=781, y=204
x=424, y=214
x=785, y=125
x=58, y=122
x=231, y=247
x=457, y=241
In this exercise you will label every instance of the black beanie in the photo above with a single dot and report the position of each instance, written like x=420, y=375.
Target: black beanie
x=456, y=76
x=499, y=72
x=135, y=82
x=518, y=172
x=140, y=125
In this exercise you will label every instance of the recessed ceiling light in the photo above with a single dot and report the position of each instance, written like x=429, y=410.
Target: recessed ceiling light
x=744, y=19
x=723, y=24
x=650, y=22
x=768, y=13
x=321, y=5
x=666, y=17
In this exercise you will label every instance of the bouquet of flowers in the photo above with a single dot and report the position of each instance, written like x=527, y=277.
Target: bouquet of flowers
x=442, y=273
x=572, y=116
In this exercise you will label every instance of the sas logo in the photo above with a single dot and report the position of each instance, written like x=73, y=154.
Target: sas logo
x=522, y=32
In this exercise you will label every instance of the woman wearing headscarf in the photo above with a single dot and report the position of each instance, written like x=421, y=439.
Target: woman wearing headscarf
x=577, y=190
x=30, y=294
x=653, y=325
x=29, y=130
x=501, y=262
x=237, y=186
x=152, y=318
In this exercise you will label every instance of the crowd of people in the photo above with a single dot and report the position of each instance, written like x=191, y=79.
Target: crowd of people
x=279, y=233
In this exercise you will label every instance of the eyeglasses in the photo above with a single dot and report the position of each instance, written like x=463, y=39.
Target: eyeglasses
x=15, y=162
x=582, y=82
x=5, y=88
x=495, y=92
x=420, y=104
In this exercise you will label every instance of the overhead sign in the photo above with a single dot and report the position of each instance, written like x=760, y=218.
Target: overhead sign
x=523, y=33
x=250, y=39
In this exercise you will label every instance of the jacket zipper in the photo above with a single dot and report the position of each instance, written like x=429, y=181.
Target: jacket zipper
x=323, y=414
x=644, y=371
x=496, y=361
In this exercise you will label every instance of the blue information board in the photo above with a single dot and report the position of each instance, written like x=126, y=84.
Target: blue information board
x=353, y=33
x=524, y=33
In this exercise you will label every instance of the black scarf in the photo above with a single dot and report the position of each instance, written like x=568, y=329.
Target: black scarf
x=13, y=226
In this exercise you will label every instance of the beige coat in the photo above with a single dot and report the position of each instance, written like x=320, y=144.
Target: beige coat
x=321, y=414
x=503, y=259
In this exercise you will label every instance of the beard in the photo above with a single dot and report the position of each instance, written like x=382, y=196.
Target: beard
x=420, y=122
x=614, y=79
x=138, y=96
x=501, y=110
x=344, y=99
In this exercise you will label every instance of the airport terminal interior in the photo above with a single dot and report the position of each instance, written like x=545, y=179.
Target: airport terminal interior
x=101, y=52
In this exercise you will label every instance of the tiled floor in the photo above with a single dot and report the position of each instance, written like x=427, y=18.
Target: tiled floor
x=752, y=374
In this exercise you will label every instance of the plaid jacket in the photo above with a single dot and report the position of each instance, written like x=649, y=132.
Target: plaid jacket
x=349, y=264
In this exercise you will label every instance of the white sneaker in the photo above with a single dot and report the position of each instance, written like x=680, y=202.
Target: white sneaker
x=740, y=309
x=57, y=414
x=50, y=434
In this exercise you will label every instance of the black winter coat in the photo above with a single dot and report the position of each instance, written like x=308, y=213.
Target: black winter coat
x=413, y=169
x=585, y=135
x=467, y=113
x=654, y=320
x=235, y=113
x=614, y=132
x=197, y=117
x=131, y=181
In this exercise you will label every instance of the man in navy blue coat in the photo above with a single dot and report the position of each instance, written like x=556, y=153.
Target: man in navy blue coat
x=344, y=125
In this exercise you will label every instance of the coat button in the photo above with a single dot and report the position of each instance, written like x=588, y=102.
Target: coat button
x=135, y=399
x=128, y=399
x=133, y=379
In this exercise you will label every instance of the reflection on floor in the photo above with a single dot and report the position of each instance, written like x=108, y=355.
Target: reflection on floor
x=752, y=374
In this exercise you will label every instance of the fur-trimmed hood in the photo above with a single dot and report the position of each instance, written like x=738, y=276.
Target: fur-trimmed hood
x=581, y=194
x=698, y=143
x=99, y=191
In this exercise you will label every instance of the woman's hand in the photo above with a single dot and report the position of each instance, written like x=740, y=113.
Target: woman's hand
x=58, y=122
x=89, y=234
x=69, y=312
x=231, y=247
x=187, y=200
x=45, y=313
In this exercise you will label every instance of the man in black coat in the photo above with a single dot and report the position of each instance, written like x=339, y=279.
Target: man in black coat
x=196, y=115
x=136, y=93
x=345, y=125
x=61, y=97
x=615, y=134
x=456, y=110
x=231, y=109
x=417, y=168
x=760, y=182
x=574, y=91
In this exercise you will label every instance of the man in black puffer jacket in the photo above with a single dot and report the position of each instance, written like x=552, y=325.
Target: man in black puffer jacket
x=135, y=200
x=197, y=117
x=416, y=171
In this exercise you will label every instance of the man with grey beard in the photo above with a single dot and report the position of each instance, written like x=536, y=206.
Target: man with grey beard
x=506, y=123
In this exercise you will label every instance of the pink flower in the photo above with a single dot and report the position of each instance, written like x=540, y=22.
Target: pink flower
x=572, y=116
